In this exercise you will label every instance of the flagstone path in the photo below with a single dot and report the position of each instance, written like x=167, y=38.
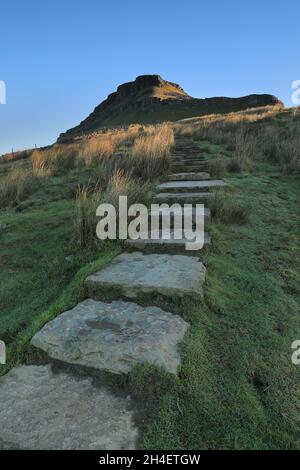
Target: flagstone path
x=42, y=409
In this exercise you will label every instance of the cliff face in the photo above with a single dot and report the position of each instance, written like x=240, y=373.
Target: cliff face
x=150, y=99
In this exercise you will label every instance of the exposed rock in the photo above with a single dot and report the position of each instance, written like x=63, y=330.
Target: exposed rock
x=149, y=98
x=136, y=273
x=188, y=176
x=40, y=410
x=167, y=243
x=190, y=185
x=184, y=198
x=113, y=336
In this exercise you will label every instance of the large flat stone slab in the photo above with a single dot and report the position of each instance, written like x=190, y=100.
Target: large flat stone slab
x=113, y=336
x=203, y=175
x=188, y=167
x=136, y=273
x=164, y=215
x=188, y=159
x=40, y=410
x=190, y=185
x=184, y=198
x=201, y=162
x=163, y=245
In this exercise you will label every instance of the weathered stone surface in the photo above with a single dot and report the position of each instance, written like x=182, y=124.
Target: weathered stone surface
x=113, y=336
x=164, y=245
x=42, y=410
x=188, y=176
x=198, y=162
x=167, y=214
x=191, y=167
x=190, y=185
x=136, y=273
x=185, y=158
x=183, y=198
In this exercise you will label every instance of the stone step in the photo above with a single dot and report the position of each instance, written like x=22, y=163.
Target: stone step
x=165, y=246
x=184, y=154
x=188, y=160
x=184, y=198
x=168, y=214
x=185, y=146
x=187, y=166
x=114, y=337
x=184, y=143
x=188, y=176
x=43, y=410
x=192, y=186
x=133, y=274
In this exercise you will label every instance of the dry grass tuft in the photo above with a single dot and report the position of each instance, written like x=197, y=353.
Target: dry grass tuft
x=122, y=184
x=16, y=186
x=151, y=153
x=228, y=211
x=87, y=201
x=217, y=167
x=56, y=159
x=14, y=156
x=252, y=135
x=97, y=149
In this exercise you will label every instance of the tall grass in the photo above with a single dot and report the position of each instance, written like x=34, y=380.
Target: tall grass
x=87, y=201
x=246, y=148
x=282, y=145
x=228, y=211
x=16, y=186
x=14, y=156
x=252, y=135
x=122, y=184
x=56, y=159
x=150, y=155
x=97, y=149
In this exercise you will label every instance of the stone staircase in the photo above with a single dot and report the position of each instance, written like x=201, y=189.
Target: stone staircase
x=111, y=336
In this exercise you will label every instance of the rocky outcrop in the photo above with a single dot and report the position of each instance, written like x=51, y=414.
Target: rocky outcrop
x=150, y=99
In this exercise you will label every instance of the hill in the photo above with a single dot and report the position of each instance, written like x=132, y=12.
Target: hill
x=150, y=99
x=243, y=328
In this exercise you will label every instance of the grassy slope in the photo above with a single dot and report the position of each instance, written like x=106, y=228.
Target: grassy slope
x=238, y=388
x=171, y=112
x=34, y=271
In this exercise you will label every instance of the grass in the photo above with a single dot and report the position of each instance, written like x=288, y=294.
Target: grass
x=39, y=264
x=150, y=153
x=47, y=237
x=268, y=133
x=97, y=149
x=237, y=387
x=56, y=159
x=17, y=185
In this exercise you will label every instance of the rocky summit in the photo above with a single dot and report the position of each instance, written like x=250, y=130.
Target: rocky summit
x=151, y=99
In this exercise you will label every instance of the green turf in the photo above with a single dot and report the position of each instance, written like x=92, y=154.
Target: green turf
x=238, y=388
x=38, y=257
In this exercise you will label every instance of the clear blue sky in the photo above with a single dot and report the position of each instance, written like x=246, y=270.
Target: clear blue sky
x=60, y=59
